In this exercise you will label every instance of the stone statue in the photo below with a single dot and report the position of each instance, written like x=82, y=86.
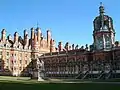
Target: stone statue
x=82, y=47
x=76, y=47
x=40, y=68
x=73, y=46
x=86, y=46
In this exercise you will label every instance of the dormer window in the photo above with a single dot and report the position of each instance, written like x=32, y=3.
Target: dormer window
x=4, y=45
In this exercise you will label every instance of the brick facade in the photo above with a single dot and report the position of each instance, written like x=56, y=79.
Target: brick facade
x=16, y=53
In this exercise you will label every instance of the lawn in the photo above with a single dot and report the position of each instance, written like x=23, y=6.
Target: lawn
x=23, y=83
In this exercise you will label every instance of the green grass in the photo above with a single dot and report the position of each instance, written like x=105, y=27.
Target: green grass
x=15, y=83
x=57, y=86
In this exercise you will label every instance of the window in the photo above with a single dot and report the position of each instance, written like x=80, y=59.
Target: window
x=20, y=68
x=7, y=53
x=20, y=54
x=14, y=68
x=6, y=67
x=4, y=45
x=0, y=67
x=0, y=52
x=0, y=60
x=25, y=61
x=20, y=61
x=107, y=42
x=12, y=54
x=25, y=55
x=33, y=56
x=14, y=61
x=7, y=60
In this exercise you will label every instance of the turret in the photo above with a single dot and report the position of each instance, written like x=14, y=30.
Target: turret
x=3, y=36
x=104, y=33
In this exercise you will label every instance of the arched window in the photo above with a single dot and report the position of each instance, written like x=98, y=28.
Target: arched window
x=107, y=42
x=99, y=43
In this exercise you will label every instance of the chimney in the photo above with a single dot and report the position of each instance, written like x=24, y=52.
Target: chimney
x=73, y=46
x=9, y=37
x=26, y=39
x=60, y=46
x=3, y=37
x=52, y=45
x=15, y=37
x=25, y=33
x=35, y=38
x=48, y=38
x=38, y=34
x=32, y=33
x=67, y=46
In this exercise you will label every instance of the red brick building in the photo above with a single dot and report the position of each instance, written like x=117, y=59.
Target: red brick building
x=16, y=52
x=100, y=60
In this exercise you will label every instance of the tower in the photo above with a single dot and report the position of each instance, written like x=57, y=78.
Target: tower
x=103, y=34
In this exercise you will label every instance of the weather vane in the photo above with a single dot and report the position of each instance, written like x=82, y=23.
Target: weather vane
x=37, y=24
x=101, y=4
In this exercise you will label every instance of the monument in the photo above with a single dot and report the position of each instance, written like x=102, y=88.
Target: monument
x=40, y=69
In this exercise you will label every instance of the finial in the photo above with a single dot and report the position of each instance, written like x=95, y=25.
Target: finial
x=101, y=8
x=101, y=4
x=37, y=24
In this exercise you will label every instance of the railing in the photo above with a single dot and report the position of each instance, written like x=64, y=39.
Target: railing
x=109, y=74
x=100, y=75
x=85, y=75
x=79, y=75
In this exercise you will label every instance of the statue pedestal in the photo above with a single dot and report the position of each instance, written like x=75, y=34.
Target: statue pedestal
x=40, y=79
x=40, y=69
x=40, y=76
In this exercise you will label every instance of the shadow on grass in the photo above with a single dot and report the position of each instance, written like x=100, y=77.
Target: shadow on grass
x=11, y=85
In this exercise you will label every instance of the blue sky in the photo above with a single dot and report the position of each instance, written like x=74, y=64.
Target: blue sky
x=69, y=20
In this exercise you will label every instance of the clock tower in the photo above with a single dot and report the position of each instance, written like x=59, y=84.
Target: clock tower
x=104, y=33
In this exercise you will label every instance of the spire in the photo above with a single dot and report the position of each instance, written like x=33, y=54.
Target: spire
x=101, y=9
